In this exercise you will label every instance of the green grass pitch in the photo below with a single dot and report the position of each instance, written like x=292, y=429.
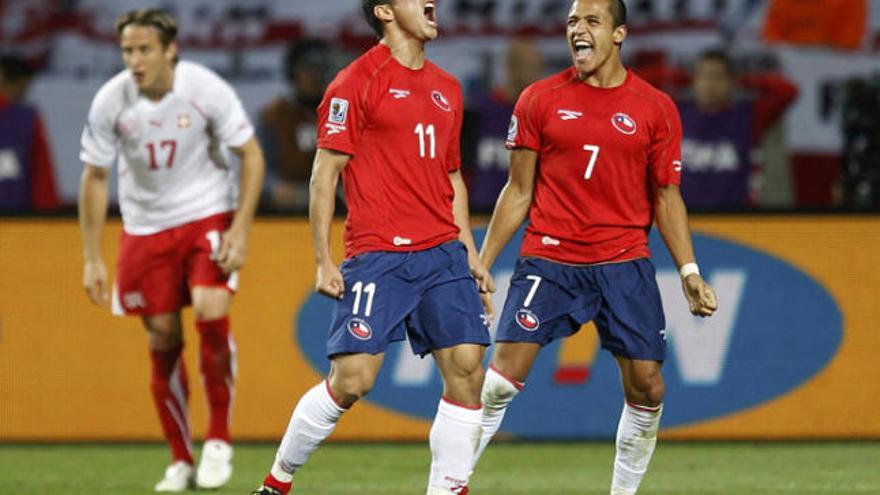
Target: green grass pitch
x=506, y=469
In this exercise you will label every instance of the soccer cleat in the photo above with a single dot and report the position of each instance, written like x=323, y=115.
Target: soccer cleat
x=178, y=478
x=215, y=466
x=266, y=490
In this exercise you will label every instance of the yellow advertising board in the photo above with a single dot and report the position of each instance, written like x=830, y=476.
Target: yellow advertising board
x=792, y=359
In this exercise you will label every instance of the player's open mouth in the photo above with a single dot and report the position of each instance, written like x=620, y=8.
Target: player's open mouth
x=429, y=14
x=582, y=49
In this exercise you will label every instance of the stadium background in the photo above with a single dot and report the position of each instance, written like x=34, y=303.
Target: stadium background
x=788, y=357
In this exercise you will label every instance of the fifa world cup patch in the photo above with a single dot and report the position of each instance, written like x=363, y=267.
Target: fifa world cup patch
x=512, y=130
x=338, y=111
x=360, y=329
x=527, y=320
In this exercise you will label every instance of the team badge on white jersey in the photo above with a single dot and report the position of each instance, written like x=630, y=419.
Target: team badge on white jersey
x=184, y=121
x=624, y=123
x=338, y=111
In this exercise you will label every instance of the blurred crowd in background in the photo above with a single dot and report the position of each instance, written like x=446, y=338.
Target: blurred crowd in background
x=779, y=99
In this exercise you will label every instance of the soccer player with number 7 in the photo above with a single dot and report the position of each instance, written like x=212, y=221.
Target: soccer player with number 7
x=595, y=160
x=168, y=122
x=390, y=126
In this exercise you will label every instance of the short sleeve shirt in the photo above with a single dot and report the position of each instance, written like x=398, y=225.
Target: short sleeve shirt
x=402, y=129
x=173, y=165
x=602, y=153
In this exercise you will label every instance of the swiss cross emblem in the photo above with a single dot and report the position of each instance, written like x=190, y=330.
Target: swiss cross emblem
x=183, y=121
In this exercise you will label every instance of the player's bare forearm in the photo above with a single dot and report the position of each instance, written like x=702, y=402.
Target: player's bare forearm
x=326, y=168
x=512, y=206
x=253, y=168
x=672, y=221
x=92, y=215
x=461, y=213
x=462, y=219
x=92, y=209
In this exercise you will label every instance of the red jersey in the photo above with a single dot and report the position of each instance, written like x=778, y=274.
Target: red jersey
x=402, y=128
x=602, y=152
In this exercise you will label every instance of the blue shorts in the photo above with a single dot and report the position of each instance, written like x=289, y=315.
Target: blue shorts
x=548, y=300
x=429, y=295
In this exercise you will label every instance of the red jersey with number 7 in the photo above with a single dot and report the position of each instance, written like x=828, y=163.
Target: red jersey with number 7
x=602, y=152
x=402, y=128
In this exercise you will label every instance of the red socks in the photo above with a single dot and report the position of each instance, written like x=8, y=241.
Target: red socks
x=282, y=487
x=170, y=389
x=217, y=361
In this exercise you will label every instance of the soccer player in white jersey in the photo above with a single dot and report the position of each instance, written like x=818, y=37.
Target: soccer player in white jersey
x=168, y=123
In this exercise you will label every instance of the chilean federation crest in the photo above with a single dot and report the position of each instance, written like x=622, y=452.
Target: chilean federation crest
x=623, y=123
x=441, y=101
x=527, y=320
x=360, y=329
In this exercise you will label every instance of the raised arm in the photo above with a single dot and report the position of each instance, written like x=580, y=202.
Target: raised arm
x=513, y=204
x=322, y=203
x=672, y=221
x=233, y=248
x=92, y=215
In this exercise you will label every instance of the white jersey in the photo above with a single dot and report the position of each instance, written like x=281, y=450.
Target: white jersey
x=172, y=165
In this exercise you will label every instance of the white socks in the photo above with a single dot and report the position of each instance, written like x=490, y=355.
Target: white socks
x=312, y=421
x=636, y=438
x=497, y=393
x=454, y=437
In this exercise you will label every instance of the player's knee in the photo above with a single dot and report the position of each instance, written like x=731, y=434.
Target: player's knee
x=648, y=389
x=210, y=303
x=210, y=310
x=469, y=371
x=164, y=332
x=351, y=387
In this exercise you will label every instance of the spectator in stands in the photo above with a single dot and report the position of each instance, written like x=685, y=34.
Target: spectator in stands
x=287, y=125
x=485, y=158
x=27, y=177
x=721, y=132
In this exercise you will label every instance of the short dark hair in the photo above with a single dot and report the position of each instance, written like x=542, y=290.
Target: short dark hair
x=374, y=22
x=617, y=9
x=718, y=55
x=157, y=18
x=618, y=12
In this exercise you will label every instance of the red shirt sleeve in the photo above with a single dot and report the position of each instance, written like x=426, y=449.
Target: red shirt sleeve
x=340, y=115
x=453, y=152
x=775, y=94
x=664, y=151
x=525, y=123
x=44, y=192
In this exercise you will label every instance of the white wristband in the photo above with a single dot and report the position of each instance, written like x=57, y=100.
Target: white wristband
x=688, y=269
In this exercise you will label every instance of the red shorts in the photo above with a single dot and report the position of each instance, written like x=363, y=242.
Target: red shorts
x=154, y=273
